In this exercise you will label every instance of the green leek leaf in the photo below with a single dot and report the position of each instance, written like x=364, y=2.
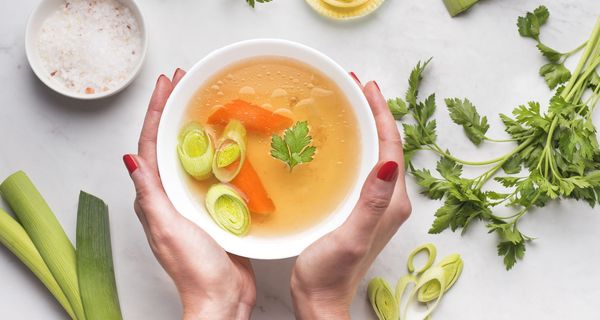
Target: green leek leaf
x=94, y=260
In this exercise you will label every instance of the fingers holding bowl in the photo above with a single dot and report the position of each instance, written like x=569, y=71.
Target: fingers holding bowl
x=147, y=141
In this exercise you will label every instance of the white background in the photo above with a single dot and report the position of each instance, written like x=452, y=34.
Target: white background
x=66, y=145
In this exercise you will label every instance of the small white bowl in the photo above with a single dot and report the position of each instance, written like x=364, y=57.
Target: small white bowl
x=174, y=177
x=34, y=25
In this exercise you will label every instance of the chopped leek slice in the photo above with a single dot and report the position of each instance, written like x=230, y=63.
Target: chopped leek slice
x=94, y=260
x=382, y=299
x=228, y=155
x=46, y=233
x=452, y=266
x=455, y=7
x=228, y=209
x=14, y=237
x=401, y=286
x=234, y=135
x=196, y=151
x=432, y=275
x=431, y=252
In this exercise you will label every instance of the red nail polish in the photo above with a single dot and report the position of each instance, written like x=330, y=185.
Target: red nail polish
x=130, y=163
x=375, y=83
x=388, y=171
x=353, y=75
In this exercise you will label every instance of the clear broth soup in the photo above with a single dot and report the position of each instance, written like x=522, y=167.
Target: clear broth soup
x=309, y=192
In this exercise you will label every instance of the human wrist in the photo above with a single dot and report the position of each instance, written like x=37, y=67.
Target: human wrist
x=311, y=305
x=216, y=310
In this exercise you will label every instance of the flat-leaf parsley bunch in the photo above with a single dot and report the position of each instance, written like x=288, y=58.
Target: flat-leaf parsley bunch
x=556, y=154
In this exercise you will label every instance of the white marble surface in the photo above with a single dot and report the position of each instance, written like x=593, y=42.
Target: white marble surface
x=65, y=145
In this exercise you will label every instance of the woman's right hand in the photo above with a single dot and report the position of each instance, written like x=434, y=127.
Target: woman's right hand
x=327, y=273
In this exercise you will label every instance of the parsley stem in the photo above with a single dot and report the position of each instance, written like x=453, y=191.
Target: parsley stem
x=572, y=52
x=438, y=150
x=499, y=140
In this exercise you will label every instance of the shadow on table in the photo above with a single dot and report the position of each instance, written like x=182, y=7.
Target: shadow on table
x=58, y=101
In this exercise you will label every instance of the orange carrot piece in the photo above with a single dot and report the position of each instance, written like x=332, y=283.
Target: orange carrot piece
x=253, y=117
x=248, y=182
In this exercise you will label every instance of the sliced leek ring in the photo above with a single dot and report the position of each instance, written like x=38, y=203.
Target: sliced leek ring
x=196, y=151
x=227, y=208
x=431, y=253
x=452, y=266
x=401, y=286
x=382, y=299
x=345, y=9
x=234, y=135
x=435, y=275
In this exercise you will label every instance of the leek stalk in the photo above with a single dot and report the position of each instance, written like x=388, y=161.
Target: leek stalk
x=46, y=233
x=16, y=240
x=94, y=260
x=456, y=7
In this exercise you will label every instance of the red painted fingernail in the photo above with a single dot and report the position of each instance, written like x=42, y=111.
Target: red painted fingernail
x=388, y=171
x=355, y=77
x=130, y=163
x=375, y=82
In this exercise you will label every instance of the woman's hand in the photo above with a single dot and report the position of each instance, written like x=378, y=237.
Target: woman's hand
x=212, y=284
x=327, y=273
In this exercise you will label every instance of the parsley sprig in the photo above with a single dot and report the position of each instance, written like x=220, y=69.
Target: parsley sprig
x=253, y=2
x=294, y=147
x=556, y=154
x=554, y=72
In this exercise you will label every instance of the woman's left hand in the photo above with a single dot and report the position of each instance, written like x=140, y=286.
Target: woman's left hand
x=212, y=283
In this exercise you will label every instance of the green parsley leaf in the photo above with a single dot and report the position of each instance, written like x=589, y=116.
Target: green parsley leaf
x=294, y=148
x=511, y=252
x=464, y=113
x=550, y=54
x=555, y=74
x=398, y=108
x=414, y=81
x=529, y=25
x=252, y=2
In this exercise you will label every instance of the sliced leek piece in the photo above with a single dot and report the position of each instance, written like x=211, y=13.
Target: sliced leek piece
x=382, y=299
x=46, y=233
x=15, y=239
x=234, y=134
x=431, y=253
x=401, y=287
x=227, y=208
x=434, y=274
x=452, y=266
x=345, y=9
x=228, y=155
x=196, y=151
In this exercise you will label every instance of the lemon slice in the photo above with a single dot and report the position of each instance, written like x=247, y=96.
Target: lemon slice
x=345, y=9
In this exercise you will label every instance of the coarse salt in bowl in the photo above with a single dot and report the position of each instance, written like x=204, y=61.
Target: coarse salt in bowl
x=86, y=49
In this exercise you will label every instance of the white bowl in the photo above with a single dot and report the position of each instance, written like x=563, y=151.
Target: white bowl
x=174, y=177
x=37, y=18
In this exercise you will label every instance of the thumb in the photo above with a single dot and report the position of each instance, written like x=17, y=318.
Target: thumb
x=155, y=206
x=374, y=200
